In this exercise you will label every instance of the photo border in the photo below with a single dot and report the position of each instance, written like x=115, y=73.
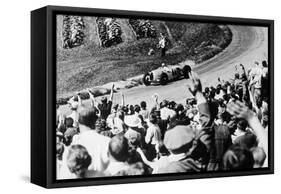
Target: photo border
x=52, y=11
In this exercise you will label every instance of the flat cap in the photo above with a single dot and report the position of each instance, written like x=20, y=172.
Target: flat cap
x=178, y=137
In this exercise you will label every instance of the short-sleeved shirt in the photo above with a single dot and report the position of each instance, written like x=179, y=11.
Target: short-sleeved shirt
x=97, y=146
x=153, y=134
x=144, y=114
x=256, y=74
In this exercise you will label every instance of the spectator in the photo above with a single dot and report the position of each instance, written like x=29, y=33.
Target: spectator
x=259, y=157
x=241, y=129
x=144, y=112
x=74, y=102
x=179, y=142
x=153, y=136
x=105, y=106
x=238, y=158
x=169, y=137
x=162, y=44
x=118, y=154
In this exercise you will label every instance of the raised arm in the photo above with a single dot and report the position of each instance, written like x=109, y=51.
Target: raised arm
x=92, y=98
x=195, y=89
x=205, y=120
x=244, y=70
x=111, y=93
x=155, y=98
x=144, y=159
x=122, y=99
x=79, y=100
x=240, y=110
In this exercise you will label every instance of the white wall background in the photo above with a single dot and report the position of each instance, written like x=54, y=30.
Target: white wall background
x=15, y=94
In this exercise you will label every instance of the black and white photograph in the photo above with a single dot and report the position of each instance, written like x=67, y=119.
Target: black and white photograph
x=141, y=96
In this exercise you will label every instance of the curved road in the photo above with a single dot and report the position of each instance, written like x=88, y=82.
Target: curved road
x=248, y=45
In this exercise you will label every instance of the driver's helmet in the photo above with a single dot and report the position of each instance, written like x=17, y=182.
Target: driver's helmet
x=163, y=65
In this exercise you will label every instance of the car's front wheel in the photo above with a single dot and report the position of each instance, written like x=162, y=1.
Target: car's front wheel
x=164, y=79
x=146, y=79
x=186, y=70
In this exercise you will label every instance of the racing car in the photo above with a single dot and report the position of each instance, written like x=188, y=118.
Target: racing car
x=165, y=73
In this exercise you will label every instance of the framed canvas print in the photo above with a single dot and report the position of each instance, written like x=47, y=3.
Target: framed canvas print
x=126, y=96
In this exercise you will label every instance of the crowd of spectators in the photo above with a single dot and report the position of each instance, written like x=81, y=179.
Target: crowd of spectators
x=72, y=33
x=109, y=31
x=143, y=28
x=219, y=128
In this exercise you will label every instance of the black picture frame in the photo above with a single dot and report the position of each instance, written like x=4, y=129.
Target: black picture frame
x=43, y=94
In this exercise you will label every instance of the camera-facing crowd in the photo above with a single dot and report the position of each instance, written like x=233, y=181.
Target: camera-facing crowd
x=219, y=128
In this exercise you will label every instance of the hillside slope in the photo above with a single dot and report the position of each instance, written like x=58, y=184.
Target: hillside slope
x=91, y=64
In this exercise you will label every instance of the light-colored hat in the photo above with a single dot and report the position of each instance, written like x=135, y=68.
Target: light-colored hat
x=74, y=104
x=133, y=136
x=178, y=137
x=132, y=121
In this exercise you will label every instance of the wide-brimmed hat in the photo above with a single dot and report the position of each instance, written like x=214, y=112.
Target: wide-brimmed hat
x=132, y=121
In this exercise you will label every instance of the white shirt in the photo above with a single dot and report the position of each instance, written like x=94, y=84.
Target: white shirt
x=162, y=42
x=166, y=160
x=115, y=167
x=256, y=74
x=167, y=113
x=144, y=114
x=153, y=134
x=97, y=146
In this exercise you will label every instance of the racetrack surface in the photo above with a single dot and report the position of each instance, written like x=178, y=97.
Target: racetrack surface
x=248, y=44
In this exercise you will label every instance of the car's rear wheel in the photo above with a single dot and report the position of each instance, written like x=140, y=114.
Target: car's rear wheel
x=146, y=79
x=164, y=79
x=186, y=70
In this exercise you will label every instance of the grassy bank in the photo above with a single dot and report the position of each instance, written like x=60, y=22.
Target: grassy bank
x=90, y=65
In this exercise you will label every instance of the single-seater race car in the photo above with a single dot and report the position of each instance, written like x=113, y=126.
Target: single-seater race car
x=165, y=73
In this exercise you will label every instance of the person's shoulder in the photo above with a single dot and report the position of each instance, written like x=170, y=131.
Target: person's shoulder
x=93, y=173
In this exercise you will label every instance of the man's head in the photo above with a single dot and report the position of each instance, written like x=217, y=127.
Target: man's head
x=143, y=104
x=104, y=100
x=179, y=108
x=242, y=125
x=248, y=140
x=172, y=104
x=236, y=76
x=264, y=63
x=164, y=103
x=60, y=150
x=153, y=118
x=238, y=158
x=78, y=160
x=115, y=108
x=68, y=122
x=118, y=148
x=137, y=108
x=87, y=117
x=179, y=139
